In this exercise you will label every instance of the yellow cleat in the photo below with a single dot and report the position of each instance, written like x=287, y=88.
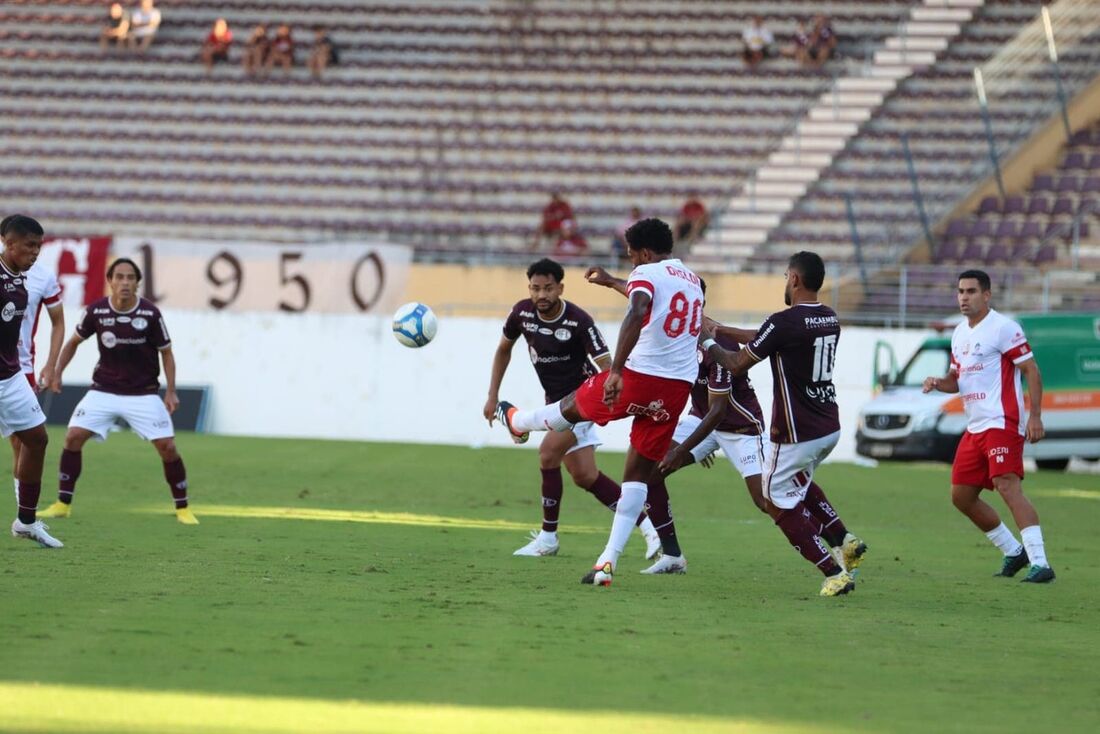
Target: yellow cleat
x=185, y=516
x=853, y=549
x=57, y=509
x=838, y=584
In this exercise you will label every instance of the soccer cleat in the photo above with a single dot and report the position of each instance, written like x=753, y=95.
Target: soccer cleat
x=853, y=549
x=57, y=509
x=36, y=531
x=1012, y=564
x=539, y=546
x=600, y=575
x=186, y=517
x=668, y=564
x=1038, y=575
x=837, y=584
x=652, y=540
x=505, y=410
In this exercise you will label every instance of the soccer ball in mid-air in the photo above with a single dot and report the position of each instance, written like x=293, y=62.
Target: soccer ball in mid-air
x=414, y=325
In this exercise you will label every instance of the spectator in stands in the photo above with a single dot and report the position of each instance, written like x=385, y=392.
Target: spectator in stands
x=144, y=23
x=553, y=214
x=282, y=49
x=799, y=47
x=822, y=40
x=618, y=242
x=693, y=220
x=216, y=46
x=570, y=244
x=254, y=58
x=323, y=53
x=759, y=42
x=117, y=28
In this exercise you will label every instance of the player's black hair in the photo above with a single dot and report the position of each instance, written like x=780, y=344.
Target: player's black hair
x=20, y=224
x=810, y=266
x=650, y=234
x=979, y=275
x=703, y=285
x=124, y=261
x=546, y=266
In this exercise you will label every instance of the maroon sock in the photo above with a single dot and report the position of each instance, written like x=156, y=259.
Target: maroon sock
x=799, y=527
x=177, y=481
x=28, y=501
x=69, y=472
x=660, y=512
x=551, y=499
x=832, y=527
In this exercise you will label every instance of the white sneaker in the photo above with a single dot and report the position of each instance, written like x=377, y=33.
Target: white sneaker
x=668, y=564
x=652, y=539
x=541, y=545
x=36, y=531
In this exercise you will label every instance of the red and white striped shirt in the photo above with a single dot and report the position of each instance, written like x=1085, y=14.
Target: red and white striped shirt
x=985, y=358
x=667, y=345
x=42, y=290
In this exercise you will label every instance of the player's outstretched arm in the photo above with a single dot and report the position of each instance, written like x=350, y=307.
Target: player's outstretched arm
x=628, y=338
x=949, y=383
x=739, y=335
x=599, y=276
x=57, y=339
x=171, y=400
x=63, y=360
x=501, y=359
x=1034, y=431
x=716, y=408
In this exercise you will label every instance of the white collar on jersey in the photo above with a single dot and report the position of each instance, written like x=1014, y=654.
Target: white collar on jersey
x=556, y=318
x=137, y=303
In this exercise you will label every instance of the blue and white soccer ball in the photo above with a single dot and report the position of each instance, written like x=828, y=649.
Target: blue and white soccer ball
x=414, y=325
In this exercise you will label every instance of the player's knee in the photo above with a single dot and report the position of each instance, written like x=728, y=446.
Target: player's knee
x=962, y=498
x=1007, y=485
x=167, y=449
x=35, y=440
x=584, y=477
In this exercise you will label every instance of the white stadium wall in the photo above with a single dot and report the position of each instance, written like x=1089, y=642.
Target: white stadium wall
x=343, y=376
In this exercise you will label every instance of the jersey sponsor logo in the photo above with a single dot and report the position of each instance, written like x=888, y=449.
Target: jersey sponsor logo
x=527, y=326
x=123, y=319
x=17, y=281
x=101, y=310
x=107, y=322
x=8, y=312
x=545, y=332
x=108, y=339
x=822, y=393
x=527, y=314
x=978, y=367
x=144, y=312
x=760, y=339
x=567, y=322
x=972, y=396
x=998, y=450
x=817, y=322
x=655, y=411
x=563, y=335
x=140, y=324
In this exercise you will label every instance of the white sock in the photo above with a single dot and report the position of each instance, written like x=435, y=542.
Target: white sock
x=646, y=526
x=546, y=537
x=631, y=504
x=1033, y=541
x=1003, y=538
x=547, y=418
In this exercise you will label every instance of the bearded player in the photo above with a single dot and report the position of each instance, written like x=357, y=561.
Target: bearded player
x=566, y=348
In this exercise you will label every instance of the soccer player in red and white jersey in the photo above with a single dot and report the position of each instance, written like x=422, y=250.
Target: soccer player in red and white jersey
x=651, y=375
x=20, y=414
x=989, y=352
x=132, y=338
x=566, y=348
x=800, y=342
x=42, y=290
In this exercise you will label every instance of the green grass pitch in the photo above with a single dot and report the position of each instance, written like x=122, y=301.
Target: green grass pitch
x=350, y=587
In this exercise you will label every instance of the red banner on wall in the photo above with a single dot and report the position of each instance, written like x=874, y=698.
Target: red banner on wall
x=81, y=267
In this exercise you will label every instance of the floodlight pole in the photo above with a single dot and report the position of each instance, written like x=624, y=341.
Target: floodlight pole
x=856, y=242
x=983, y=105
x=1052, y=50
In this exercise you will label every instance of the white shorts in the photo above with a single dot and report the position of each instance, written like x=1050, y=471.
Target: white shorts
x=19, y=408
x=586, y=436
x=97, y=412
x=746, y=453
x=790, y=469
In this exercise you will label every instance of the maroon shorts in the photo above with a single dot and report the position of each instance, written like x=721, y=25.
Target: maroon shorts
x=655, y=403
x=983, y=456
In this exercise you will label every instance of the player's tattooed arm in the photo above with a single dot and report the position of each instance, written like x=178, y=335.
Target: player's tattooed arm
x=501, y=359
x=1034, y=431
x=599, y=276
